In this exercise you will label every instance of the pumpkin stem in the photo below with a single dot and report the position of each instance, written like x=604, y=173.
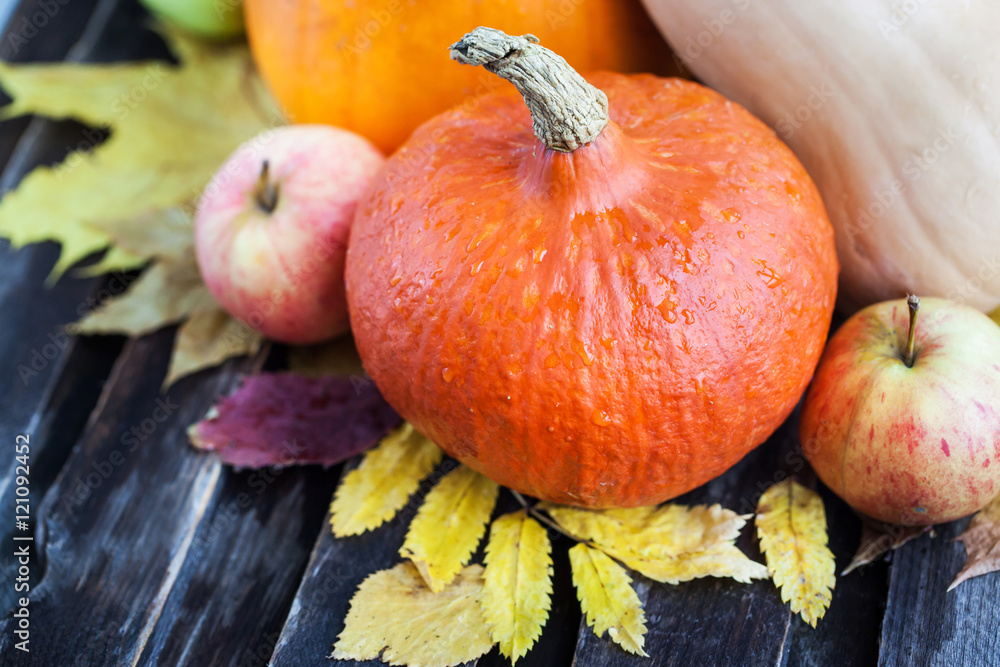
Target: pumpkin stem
x=266, y=192
x=913, y=301
x=566, y=111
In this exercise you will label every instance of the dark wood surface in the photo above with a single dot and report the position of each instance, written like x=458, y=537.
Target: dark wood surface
x=158, y=555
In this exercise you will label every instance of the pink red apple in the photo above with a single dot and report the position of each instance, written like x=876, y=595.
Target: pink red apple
x=910, y=439
x=271, y=229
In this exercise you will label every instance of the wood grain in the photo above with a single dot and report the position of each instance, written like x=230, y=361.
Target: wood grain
x=925, y=625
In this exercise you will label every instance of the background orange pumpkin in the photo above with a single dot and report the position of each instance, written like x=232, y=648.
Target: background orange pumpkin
x=611, y=326
x=380, y=67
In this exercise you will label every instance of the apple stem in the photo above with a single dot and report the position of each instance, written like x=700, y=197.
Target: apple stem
x=266, y=191
x=913, y=301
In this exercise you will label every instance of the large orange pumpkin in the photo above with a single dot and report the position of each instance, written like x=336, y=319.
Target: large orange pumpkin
x=379, y=67
x=608, y=318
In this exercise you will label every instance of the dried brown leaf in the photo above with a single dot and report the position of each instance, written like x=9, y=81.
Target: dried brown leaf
x=877, y=538
x=982, y=544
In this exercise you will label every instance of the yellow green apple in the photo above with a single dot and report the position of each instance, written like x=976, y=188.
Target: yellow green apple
x=212, y=19
x=902, y=419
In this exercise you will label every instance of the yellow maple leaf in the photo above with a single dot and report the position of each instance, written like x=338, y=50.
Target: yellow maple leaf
x=791, y=525
x=171, y=128
x=669, y=543
x=607, y=598
x=395, y=617
x=449, y=525
x=388, y=475
x=164, y=294
x=517, y=592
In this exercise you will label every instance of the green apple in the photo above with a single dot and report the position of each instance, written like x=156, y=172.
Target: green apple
x=213, y=19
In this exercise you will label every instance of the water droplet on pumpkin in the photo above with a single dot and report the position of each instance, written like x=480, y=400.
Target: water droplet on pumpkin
x=582, y=352
x=731, y=215
x=741, y=234
x=600, y=417
x=476, y=269
x=688, y=316
x=395, y=280
x=666, y=309
x=483, y=234
x=396, y=203
x=538, y=254
x=447, y=374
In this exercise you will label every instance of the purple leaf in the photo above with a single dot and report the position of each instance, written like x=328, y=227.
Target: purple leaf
x=280, y=419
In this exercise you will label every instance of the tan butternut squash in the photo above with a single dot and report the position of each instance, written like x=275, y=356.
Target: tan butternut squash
x=893, y=107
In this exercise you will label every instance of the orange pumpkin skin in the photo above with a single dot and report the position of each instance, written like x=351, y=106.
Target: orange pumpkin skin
x=380, y=67
x=610, y=327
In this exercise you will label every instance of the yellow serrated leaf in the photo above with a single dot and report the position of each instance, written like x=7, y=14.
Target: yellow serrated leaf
x=389, y=474
x=395, y=617
x=517, y=592
x=449, y=525
x=171, y=127
x=720, y=560
x=607, y=598
x=791, y=524
x=995, y=316
x=669, y=543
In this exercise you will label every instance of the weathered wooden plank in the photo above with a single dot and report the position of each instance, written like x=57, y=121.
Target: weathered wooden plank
x=119, y=529
x=229, y=602
x=34, y=352
x=849, y=633
x=928, y=626
x=338, y=566
x=714, y=621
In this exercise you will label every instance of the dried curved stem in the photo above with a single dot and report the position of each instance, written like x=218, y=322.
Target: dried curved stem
x=566, y=111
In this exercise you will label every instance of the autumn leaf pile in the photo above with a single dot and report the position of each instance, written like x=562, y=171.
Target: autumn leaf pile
x=506, y=601
x=132, y=195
